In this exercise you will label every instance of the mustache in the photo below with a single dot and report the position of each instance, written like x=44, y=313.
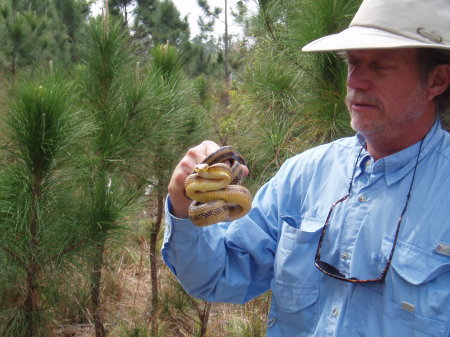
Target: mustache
x=361, y=98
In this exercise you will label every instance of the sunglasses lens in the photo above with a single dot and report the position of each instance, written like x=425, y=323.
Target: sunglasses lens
x=329, y=269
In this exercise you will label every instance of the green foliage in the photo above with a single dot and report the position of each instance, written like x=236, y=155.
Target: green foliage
x=135, y=331
x=45, y=145
x=207, y=24
x=176, y=118
x=76, y=159
x=34, y=32
x=291, y=100
x=158, y=22
x=144, y=116
x=72, y=14
x=113, y=95
x=120, y=6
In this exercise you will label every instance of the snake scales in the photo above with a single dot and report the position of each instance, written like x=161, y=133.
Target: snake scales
x=214, y=189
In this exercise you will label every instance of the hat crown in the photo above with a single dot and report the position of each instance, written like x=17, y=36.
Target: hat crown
x=392, y=24
x=427, y=21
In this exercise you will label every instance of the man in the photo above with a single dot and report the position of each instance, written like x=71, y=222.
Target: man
x=352, y=237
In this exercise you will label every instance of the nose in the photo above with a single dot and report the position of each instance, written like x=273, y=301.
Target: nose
x=357, y=78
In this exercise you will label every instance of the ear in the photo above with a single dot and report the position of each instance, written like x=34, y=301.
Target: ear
x=438, y=80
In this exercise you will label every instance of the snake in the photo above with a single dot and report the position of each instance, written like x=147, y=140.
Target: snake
x=215, y=190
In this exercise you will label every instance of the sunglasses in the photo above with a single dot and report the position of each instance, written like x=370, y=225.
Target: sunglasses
x=332, y=271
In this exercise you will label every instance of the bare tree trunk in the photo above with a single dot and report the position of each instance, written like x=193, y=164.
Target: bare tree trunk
x=226, y=42
x=31, y=300
x=126, y=15
x=13, y=66
x=14, y=54
x=204, y=319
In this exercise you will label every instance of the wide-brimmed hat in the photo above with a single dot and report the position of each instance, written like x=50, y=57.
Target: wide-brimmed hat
x=382, y=24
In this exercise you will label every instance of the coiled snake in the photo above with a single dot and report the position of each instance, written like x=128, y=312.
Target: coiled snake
x=215, y=200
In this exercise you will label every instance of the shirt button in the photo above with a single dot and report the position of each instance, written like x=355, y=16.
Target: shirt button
x=362, y=198
x=345, y=255
x=335, y=312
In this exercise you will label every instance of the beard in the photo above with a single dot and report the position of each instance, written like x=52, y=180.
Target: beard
x=377, y=120
x=363, y=122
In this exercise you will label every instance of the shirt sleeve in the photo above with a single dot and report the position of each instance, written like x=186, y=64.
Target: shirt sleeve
x=225, y=262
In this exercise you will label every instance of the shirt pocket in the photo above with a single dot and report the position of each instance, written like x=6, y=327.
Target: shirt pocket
x=415, y=265
x=417, y=289
x=295, y=306
x=299, y=231
x=296, y=250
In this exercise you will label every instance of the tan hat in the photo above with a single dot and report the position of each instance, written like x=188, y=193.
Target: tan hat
x=392, y=24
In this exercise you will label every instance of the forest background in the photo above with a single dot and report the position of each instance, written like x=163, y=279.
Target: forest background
x=97, y=111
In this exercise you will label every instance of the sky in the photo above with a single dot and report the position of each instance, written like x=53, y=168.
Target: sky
x=192, y=10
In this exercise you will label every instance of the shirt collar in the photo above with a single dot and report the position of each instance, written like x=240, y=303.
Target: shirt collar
x=399, y=164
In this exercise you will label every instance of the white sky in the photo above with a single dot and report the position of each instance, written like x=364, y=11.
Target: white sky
x=190, y=8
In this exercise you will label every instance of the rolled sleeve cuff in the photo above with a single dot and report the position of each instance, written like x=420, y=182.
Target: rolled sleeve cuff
x=178, y=230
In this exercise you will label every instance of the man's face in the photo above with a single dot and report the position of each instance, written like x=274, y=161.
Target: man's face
x=385, y=95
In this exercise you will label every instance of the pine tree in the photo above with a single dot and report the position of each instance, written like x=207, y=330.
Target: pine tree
x=34, y=32
x=21, y=34
x=114, y=100
x=145, y=119
x=177, y=123
x=208, y=26
x=158, y=22
x=45, y=138
x=120, y=6
x=72, y=14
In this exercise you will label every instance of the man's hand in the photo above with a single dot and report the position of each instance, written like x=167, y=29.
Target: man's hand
x=195, y=155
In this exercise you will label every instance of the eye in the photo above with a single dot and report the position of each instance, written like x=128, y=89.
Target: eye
x=382, y=66
x=352, y=62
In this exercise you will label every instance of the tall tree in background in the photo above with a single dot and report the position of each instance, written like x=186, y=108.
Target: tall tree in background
x=208, y=26
x=34, y=32
x=73, y=13
x=21, y=34
x=158, y=22
x=120, y=6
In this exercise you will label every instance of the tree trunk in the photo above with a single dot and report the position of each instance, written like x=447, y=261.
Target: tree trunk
x=204, y=319
x=14, y=54
x=13, y=66
x=31, y=300
x=96, y=279
x=154, y=311
x=225, y=59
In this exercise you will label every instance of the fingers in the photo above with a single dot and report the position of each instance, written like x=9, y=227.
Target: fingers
x=194, y=156
x=244, y=170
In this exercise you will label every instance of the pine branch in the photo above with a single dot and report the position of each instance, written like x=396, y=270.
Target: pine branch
x=65, y=251
x=12, y=254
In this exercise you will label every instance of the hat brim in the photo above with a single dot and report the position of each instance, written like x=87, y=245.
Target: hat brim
x=358, y=37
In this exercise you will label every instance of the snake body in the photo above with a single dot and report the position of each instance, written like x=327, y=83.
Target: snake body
x=215, y=200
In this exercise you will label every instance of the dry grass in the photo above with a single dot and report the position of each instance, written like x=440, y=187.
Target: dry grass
x=126, y=301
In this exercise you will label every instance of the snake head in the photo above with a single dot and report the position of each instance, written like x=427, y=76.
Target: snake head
x=201, y=168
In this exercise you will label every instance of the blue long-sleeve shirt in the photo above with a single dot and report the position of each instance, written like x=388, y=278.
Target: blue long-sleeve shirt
x=273, y=247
